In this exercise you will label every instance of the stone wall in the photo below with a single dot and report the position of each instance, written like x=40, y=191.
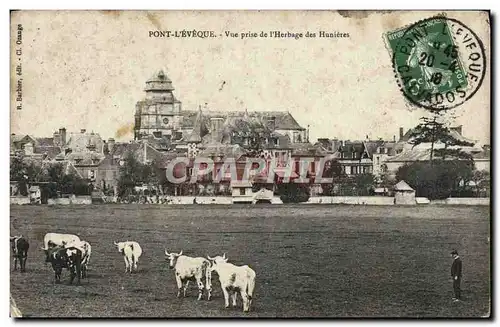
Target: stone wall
x=19, y=200
x=366, y=200
x=463, y=201
x=72, y=200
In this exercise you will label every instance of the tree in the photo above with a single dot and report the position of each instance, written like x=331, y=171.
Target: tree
x=431, y=130
x=333, y=170
x=134, y=173
x=18, y=168
x=130, y=175
x=481, y=179
x=437, y=181
x=293, y=192
x=385, y=181
x=364, y=184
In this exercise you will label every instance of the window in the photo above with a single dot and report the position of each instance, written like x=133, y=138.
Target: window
x=378, y=161
x=157, y=134
x=354, y=170
x=242, y=191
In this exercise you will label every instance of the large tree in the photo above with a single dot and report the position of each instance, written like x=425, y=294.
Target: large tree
x=134, y=173
x=332, y=170
x=437, y=181
x=434, y=129
x=364, y=184
x=481, y=179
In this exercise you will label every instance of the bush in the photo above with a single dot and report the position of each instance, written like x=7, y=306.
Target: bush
x=293, y=193
x=439, y=180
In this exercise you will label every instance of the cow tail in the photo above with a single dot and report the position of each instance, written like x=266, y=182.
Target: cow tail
x=250, y=284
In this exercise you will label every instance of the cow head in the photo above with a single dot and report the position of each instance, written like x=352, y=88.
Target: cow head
x=217, y=259
x=13, y=242
x=120, y=246
x=172, y=257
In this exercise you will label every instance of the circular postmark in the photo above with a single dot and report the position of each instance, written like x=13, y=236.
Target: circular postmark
x=439, y=62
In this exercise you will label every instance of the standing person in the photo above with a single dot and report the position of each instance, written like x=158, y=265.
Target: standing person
x=456, y=274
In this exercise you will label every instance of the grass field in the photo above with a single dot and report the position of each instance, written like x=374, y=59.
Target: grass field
x=311, y=261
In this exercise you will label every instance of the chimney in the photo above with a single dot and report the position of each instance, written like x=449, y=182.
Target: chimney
x=111, y=144
x=401, y=134
x=215, y=127
x=62, y=134
x=271, y=123
x=394, y=138
x=57, y=138
x=83, y=130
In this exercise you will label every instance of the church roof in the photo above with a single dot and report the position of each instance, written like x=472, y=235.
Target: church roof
x=159, y=76
x=159, y=82
x=283, y=119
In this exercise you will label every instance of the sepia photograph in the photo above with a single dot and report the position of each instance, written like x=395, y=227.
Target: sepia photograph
x=250, y=164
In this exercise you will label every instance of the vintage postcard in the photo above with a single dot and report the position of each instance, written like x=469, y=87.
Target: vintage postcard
x=250, y=164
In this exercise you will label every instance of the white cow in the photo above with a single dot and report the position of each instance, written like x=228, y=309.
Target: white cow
x=51, y=240
x=131, y=252
x=57, y=239
x=86, y=249
x=188, y=268
x=233, y=279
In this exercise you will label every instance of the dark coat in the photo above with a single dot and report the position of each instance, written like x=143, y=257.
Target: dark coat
x=69, y=258
x=456, y=268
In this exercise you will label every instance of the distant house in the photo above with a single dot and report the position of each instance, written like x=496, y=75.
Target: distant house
x=37, y=149
x=363, y=157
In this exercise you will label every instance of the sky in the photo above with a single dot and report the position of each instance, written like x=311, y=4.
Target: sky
x=87, y=69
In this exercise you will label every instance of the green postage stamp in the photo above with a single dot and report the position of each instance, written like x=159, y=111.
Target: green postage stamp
x=439, y=63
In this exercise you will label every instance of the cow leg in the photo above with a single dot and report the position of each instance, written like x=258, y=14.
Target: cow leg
x=23, y=263
x=226, y=297
x=135, y=265
x=200, y=288
x=57, y=272
x=78, y=274
x=234, y=298
x=72, y=274
x=244, y=297
x=126, y=263
x=15, y=263
x=186, y=286
x=209, y=286
x=179, y=284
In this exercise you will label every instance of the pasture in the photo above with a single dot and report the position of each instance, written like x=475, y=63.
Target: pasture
x=311, y=261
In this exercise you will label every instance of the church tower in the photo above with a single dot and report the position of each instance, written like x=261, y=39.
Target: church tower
x=159, y=113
